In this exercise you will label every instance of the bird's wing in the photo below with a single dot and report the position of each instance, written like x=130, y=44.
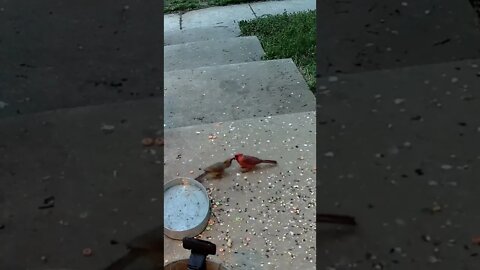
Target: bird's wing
x=215, y=167
x=252, y=160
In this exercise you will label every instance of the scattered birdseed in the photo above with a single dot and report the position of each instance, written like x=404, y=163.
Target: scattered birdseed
x=329, y=154
x=107, y=128
x=432, y=183
x=400, y=222
x=433, y=259
x=436, y=208
x=332, y=78
x=398, y=101
x=426, y=238
x=87, y=252
x=446, y=166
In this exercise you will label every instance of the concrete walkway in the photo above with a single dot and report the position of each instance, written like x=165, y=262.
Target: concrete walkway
x=212, y=74
x=230, y=15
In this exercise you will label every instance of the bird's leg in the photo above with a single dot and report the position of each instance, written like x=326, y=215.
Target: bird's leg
x=215, y=216
x=245, y=170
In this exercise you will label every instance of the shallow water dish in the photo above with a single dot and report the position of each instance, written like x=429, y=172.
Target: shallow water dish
x=186, y=208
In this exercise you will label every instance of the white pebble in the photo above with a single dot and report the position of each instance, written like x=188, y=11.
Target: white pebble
x=332, y=78
x=398, y=101
x=329, y=154
x=446, y=166
x=432, y=183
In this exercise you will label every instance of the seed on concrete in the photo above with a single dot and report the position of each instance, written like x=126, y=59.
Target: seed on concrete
x=446, y=166
x=147, y=141
x=106, y=128
x=87, y=252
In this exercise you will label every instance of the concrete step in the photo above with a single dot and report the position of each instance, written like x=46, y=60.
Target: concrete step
x=200, y=34
x=90, y=172
x=410, y=136
x=58, y=56
x=263, y=198
x=212, y=53
x=394, y=34
x=236, y=91
x=230, y=15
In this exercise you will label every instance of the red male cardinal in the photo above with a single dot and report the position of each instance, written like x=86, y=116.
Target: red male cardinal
x=215, y=169
x=249, y=162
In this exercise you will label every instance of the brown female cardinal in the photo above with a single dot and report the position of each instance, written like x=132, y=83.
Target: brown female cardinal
x=216, y=169
x=249, y=162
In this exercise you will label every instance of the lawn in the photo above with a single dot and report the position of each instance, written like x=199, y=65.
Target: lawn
x=287, y=36
x=185, y=5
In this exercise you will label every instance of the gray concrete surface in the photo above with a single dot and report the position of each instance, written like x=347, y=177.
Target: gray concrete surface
x=106, y=184
x=229, y=16
x=217, y=16
x=400, y=150
x=358, y=36
x=266, y=216
x=212, y=52
x=58, y=54
x=200, y=34
x=171, y=22
x=232, y=92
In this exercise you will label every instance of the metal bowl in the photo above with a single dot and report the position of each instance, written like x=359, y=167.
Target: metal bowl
x=186, y=208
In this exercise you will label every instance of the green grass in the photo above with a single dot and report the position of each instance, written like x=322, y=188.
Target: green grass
x=287, y=36
x=185, y=5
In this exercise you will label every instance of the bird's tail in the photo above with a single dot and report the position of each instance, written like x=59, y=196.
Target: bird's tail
x=124, y=261
x=199, y=178
x=336, y=219
x=269, y=161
